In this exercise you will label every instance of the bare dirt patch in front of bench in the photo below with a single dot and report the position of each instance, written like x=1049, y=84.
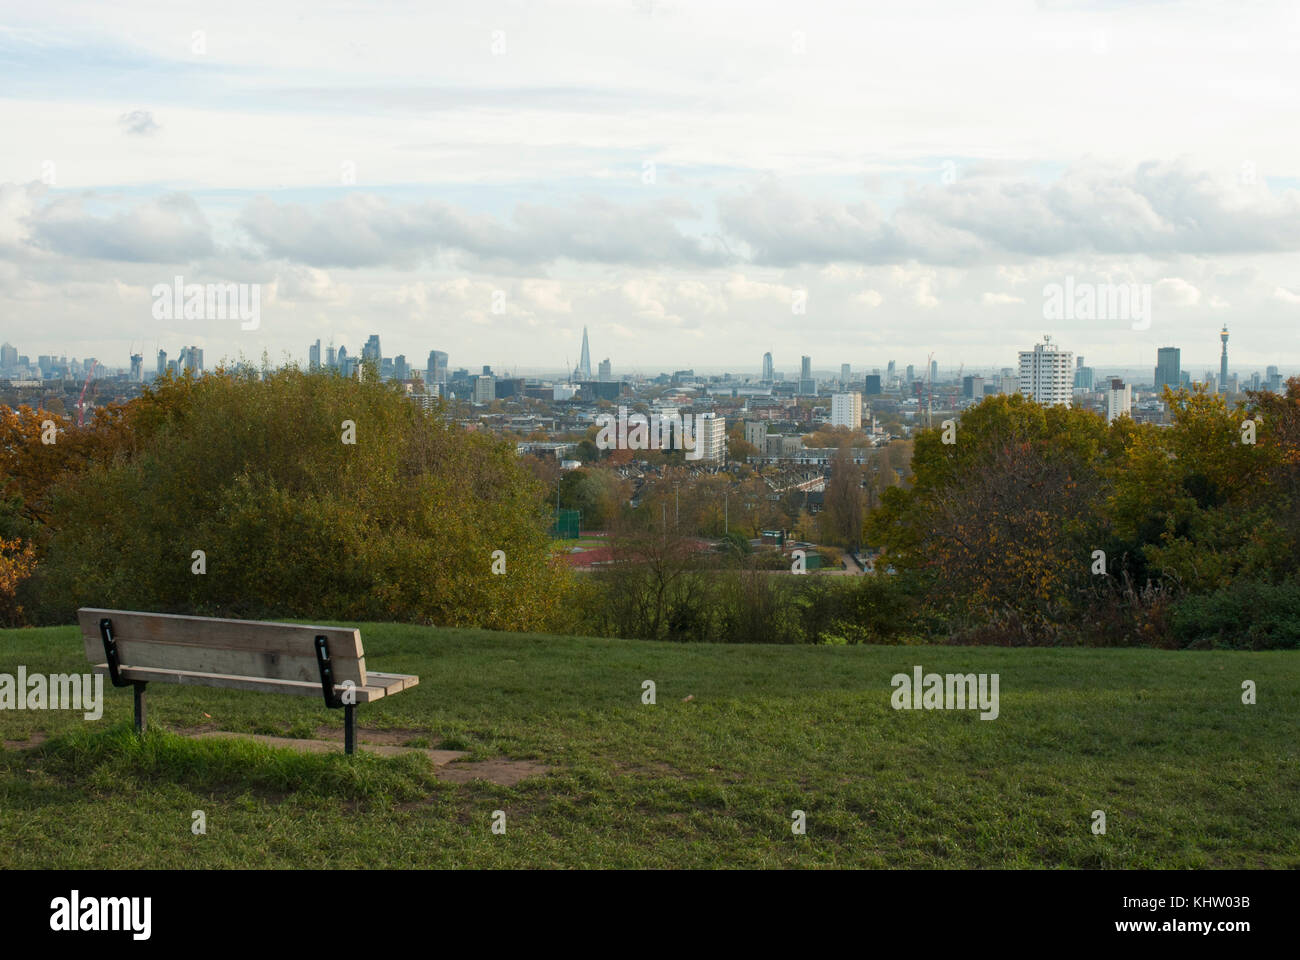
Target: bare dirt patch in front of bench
x=33, y=740
x=437, y=757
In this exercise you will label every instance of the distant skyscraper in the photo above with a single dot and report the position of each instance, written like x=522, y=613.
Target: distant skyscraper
x=400, y=369
x=972, y=387
x=331, y=359
x=137, y=368
x=1046, y=374
x=767, y=367
x=807, y=386
x=313, y=356
x=584, y=360
x=1169, y=368
x=934, y=370
x=436, y=371
x=162, y=362
x=1119, y=399
x=371, y=350
x=605, y=373
x=8, y=356
x=911, y=373
x=1223, y=360
x=845, y=373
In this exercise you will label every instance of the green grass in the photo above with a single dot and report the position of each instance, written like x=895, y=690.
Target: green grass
x=1188, y=776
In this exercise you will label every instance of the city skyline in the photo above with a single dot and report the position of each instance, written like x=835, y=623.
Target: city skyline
x=315, y=352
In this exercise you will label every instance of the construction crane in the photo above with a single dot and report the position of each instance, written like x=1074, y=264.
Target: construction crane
x=81, y=401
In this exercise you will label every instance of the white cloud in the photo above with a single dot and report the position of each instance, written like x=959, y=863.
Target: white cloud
x=1177, y=292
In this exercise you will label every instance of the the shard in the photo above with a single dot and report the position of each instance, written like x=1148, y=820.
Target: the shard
x=584, y=362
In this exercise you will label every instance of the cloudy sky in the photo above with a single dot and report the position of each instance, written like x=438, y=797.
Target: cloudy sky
x=695, y=182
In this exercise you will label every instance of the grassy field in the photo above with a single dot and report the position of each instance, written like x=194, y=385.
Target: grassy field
x=1187, y=775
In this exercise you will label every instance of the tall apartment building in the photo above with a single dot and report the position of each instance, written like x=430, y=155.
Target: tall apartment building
x=710, y=437
x=1119, y=399
x=846, y=410
x=1169, y=371
x=767, y=367
x=756, y=433
x=1046, y=374
x=485, y=388
x=845, y=373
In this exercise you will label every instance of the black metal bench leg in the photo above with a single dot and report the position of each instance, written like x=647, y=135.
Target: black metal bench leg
x=349, y=728
x=139, y=705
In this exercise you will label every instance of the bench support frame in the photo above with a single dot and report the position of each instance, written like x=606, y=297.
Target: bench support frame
x=332, y=699
x=115, y=672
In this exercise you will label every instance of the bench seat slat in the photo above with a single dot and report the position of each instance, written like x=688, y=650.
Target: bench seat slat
x=391, y=682
x=367, y=694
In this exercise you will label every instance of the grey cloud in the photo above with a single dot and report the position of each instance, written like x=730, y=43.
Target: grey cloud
x=139, y=123
x=1154, y=209
x=170, y=229
x=365, y=230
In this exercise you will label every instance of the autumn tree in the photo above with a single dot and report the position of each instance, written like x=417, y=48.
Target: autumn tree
x=309, y=495
x=844, y=502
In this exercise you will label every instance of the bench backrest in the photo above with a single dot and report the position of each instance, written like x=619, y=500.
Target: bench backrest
x=232, y=648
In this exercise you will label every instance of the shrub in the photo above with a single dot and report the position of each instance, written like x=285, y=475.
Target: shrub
x=1249, y=614
x=293, y=521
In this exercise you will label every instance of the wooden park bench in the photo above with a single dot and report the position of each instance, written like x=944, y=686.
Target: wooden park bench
x=134, y=648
